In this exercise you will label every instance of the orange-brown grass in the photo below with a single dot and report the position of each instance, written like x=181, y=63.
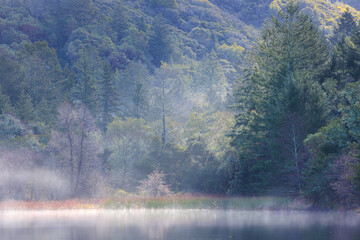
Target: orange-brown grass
x=174, y=201
x=52, y=205
x=191, y=201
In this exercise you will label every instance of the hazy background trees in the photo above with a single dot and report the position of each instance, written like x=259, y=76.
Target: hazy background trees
x=98, y=95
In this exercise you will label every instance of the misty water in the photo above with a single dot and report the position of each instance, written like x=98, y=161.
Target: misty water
x=177, y=224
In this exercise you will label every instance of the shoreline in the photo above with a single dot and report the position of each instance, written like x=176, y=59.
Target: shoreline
x=179, y=201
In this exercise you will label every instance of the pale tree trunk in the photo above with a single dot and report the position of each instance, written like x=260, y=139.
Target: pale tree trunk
x=163, y=135
x=296, y=155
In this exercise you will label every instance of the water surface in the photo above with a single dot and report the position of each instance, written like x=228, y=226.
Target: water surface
x=177, y=224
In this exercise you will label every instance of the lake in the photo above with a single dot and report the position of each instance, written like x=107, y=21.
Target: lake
x=177, y=224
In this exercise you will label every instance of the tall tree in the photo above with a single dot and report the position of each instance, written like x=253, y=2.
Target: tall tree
x=75, y=144
x=160, y=42
x=279, y=100
x=164, y=76
x=10, y=77
x=85, y=90
x=346, y=27
x=108, y=96
x=24, y=107
x=43, y=75
x=120, y=21
x=211, y=78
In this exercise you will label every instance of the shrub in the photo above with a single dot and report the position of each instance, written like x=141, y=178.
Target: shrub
x=155, y=185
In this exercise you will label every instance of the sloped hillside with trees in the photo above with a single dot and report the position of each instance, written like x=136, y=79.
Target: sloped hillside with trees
x=217, y=97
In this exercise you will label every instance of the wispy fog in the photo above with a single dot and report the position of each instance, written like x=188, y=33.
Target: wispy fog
x=176, y=224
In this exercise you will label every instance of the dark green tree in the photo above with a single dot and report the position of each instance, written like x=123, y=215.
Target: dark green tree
x=5, y=104
x=346, y=27
x=120, y=20
x=24, y=107
x=10, y=77
x=160, y=42
x=279, y=101
x=85, y=89
x=43, y=75
x=108, y=96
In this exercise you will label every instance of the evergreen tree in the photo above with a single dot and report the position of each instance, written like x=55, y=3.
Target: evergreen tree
x=160, y=43
x=85, y=88
x=344, y=52
x=353, y=61
x=10, y=77
x=120, y=21
x=279, y=101
x=44, y=112
x=43, y=75
x=108, y=98
x=25, y=107
x=345, y=28
x=211, y=78
x=5, y=104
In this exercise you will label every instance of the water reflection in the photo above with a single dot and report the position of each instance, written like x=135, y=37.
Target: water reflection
x=176, y=225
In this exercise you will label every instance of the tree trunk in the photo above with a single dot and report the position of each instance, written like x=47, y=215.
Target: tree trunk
x=296, y=158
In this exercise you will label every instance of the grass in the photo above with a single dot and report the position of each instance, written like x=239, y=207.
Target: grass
x=189, y=201
x=176, y=201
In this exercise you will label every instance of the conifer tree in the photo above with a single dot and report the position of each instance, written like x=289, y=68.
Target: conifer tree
x=346, y=27
x=160, y=42
x=85, y=88
x=108, y=98
x=277, y=101
x=211, y=78
x=45, y=112
x=5, y=104
x=120, y=21
x=25, y=107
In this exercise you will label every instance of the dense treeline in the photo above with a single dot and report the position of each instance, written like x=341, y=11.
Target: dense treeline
x=97, y=95
x=297, y=120
x=99, y=98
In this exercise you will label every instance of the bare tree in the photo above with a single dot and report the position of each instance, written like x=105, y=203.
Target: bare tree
x=343, y=187
x=165, y=77
x=291, y=137
x=155, y=185
x=76, y=145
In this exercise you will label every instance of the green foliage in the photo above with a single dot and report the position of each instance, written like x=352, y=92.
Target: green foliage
x=42, y=73
x=10, y=77
x=24, y=107
x=279, y=103
x=160, y=42
x=108, y=95
x=10, y=127
x=129, y=140
x=168, y=68
x=164, y=3
x=85, y=87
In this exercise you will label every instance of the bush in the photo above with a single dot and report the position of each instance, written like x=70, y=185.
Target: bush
x=10, y=127
x=155, y=185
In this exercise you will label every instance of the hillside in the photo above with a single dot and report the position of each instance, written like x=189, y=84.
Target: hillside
x=102, y=93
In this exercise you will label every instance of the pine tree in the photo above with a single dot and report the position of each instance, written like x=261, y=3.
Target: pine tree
x=344, y=53
x=43, y=74
x=276, y=102
x=353, y=60
x=120, y=21
x=160, y=43
x=25, y=107
x=108, y=98
x=85, y=87
x=5, y=104
x=45, y=112
x=345, y=28
x=10, y=77
x=211, y=78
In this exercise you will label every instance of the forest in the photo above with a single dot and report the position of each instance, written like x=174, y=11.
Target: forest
x=102, y=98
